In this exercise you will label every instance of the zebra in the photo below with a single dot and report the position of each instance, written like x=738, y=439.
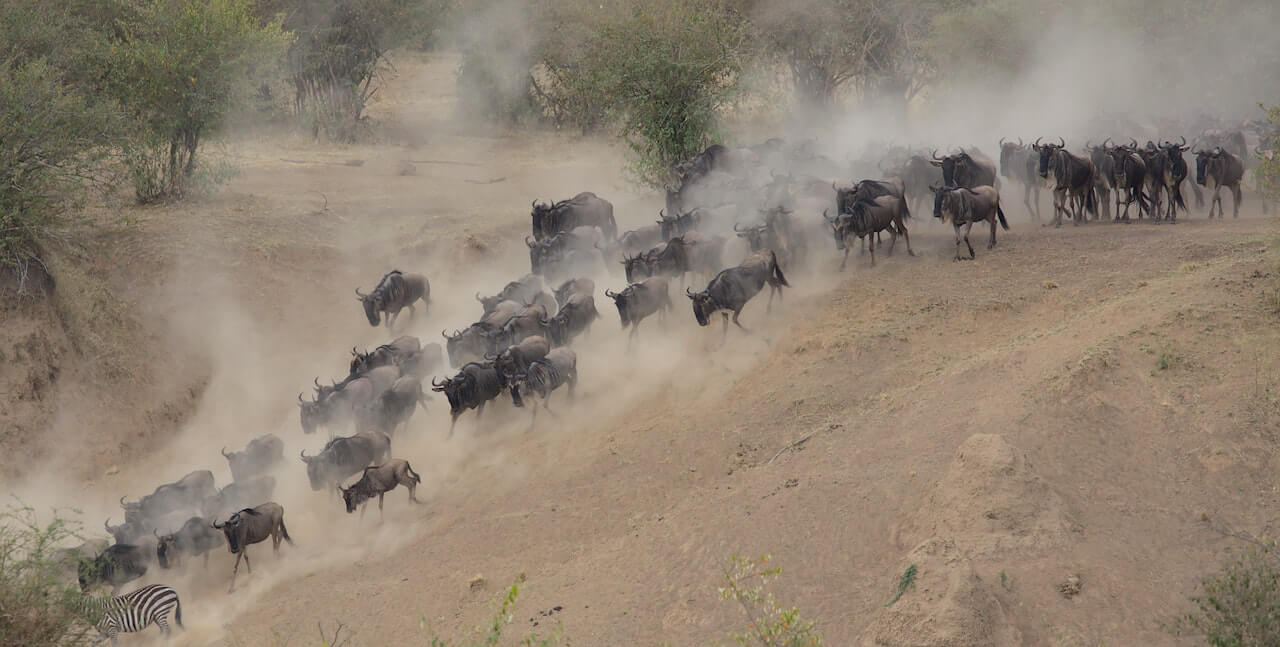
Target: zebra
x=133, y=612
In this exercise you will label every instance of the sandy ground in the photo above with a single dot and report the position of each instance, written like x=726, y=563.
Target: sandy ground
x=1088, y=401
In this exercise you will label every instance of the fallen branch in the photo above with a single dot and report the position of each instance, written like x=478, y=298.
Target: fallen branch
x=793, y=445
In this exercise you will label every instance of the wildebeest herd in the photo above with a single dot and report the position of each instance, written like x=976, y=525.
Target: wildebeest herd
x=736, y=220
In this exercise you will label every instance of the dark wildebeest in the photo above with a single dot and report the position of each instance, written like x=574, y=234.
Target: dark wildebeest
x=377, y=481
x=470, y=344
x=638, y=240
x=918, y=174
x=1073, y=181
x=1103, y=176
x=250, y=526
x=867, y=217
x=391, y=354
x=693, y=172
x=186, y=493
x=472, y=388
x=1129, y=174
x=515, y=358
x=966, y=169
x=965, y=207
x=575, y=317
x=731, y=289
x=344, y=456
x=118, y=565
x=336, y=405
x=572, y=287
x=521, y=291
x=1155, y=161
x=422, y=363
x=392, y=409
x=238, y=495
x=679, y=224
x=1218, y=168
x=1175, y=172
x=195, y=537
x=777, y=233
x=1019, y=164
x=639, y=300
x=524, y=324
x=553, y=249
x=1231, y=141
x=126, y=532
x=586, y=208
x=256, y=458
x=393, y=293
x=543, y=376
x=867, y=190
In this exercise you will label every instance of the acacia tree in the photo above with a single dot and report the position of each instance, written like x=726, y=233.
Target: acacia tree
x=177, y=69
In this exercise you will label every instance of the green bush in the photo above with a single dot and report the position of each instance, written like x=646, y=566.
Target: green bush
x=177, y=69
x=1240, y=605
x=39, y=596
x=769, y=624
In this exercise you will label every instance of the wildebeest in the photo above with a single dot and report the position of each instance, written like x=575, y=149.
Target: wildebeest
x=559, y=367
x=966, y=169
x=1103, y=176
x=186, y=493
x=239, y=494
x=116, y=566
x=1018, y=164
x=250, y=526
x=575, y=317
x=586, y=208
x=343, y=456
x=918, y=174
x=377, y=481
x=679, y=224
x=731, y=289
x=554, y=249
x=1156, y=162
x=393, y=293
x=524, y=324
x=1218, y=168
x=195, y=537
x=470, y=344
x=126, y=532
x=776, y=233
x=638, y=240
x=391, y=354
x=1129, y=173
x=1073, y=181
x=474, y=386
x=516, y=357
x=867, y=217
x=392, y=409
x=521, y=291
x=256, y=458
x=1175, y=172
x=572, y=287
x=422, y=363
x=336, y=405
x=639, y=300
x=965, y=207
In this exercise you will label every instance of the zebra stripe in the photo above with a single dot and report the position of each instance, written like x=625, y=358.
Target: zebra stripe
x=135, y=611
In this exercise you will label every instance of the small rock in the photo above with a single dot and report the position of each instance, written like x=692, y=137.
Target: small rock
x=476, y=583
x=1049, y=285
x=1071, y=587
x=791, y=483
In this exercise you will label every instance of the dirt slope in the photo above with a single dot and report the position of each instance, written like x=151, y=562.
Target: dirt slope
x=1077, y=402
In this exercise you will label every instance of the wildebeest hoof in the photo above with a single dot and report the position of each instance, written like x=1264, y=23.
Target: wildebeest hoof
x=910, y=253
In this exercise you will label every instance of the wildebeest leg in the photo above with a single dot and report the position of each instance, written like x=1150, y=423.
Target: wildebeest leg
x=736, y=322
x=1026, y=201
x=893, y=239
x=1236, y=194
x=235, y=569
x=846, y=257
x=452, y=422
x=872, y=246
x=967, y=227
x=959, y=238
x=412, y=312
x=362, y=507
x=380, y=495
x=724, y=316
x=992, y=243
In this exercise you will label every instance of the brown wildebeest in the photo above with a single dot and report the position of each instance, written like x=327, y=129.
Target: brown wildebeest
x=964, y=207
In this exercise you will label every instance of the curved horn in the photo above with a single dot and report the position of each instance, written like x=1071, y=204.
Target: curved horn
x=1020, y=144
x=1002, y=142
x=934, y=154
x=122, y=502
x=216, y=526
x=305, y=458
x=610, y=293
x=435, y=382
x=360, y=294
x=1036, y=143
x=1184, y=140
x=834, y=187
x=106, y=523
x=1062, y=143
x=688, y=292
x=528, y=241
x=735, y=227
x=1088, y=144
x=534, y=204
x=1133, y=143
x=1104, y=142
x=224, y=449
x=300, y=400
x=317, y=381
x=826, y=217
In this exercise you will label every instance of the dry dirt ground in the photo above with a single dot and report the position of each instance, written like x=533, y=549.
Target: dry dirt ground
x=1083, y=404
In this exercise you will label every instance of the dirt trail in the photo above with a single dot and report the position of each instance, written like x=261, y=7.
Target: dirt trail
x=1075, y=402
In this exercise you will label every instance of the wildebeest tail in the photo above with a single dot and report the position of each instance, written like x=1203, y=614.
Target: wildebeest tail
x=777, y=269
x=284, y=532
x=412, y=474
x=1091, y=201
x=1000, y=214
x=906, y=211
x=1177, y=199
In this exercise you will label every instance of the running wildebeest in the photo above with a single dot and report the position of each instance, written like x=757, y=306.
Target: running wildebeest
x=776, y=234
x=558, y=368
x=575, y=317
x=516, y=357
x=966, y=169
x=392, y=354
x=238, y=495
x=965, y=207
x=638, y=240
x=524, y=324
x=1175, y=172
x=586, y=208
x=392, y=409
x=731, y=289
x=186, y=494
x=470, y=344
x=1218, y=168
x=867, y=217
x=116, y=566
x=1073, y=189
x=572, y=287
x=377, y=481
x=1018, y=164
x=195, y=537
x=679, y=224
x=256, y=458
x=520, y=292
x=344, y=456
x=554, y=249
x=1156, y=163
x=918, y=174
x=126, y=532
x=250, y=526
x=393, y=293
x=1103, y=176
x=1130, y=176
x=639, y=300
x=473, y=387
